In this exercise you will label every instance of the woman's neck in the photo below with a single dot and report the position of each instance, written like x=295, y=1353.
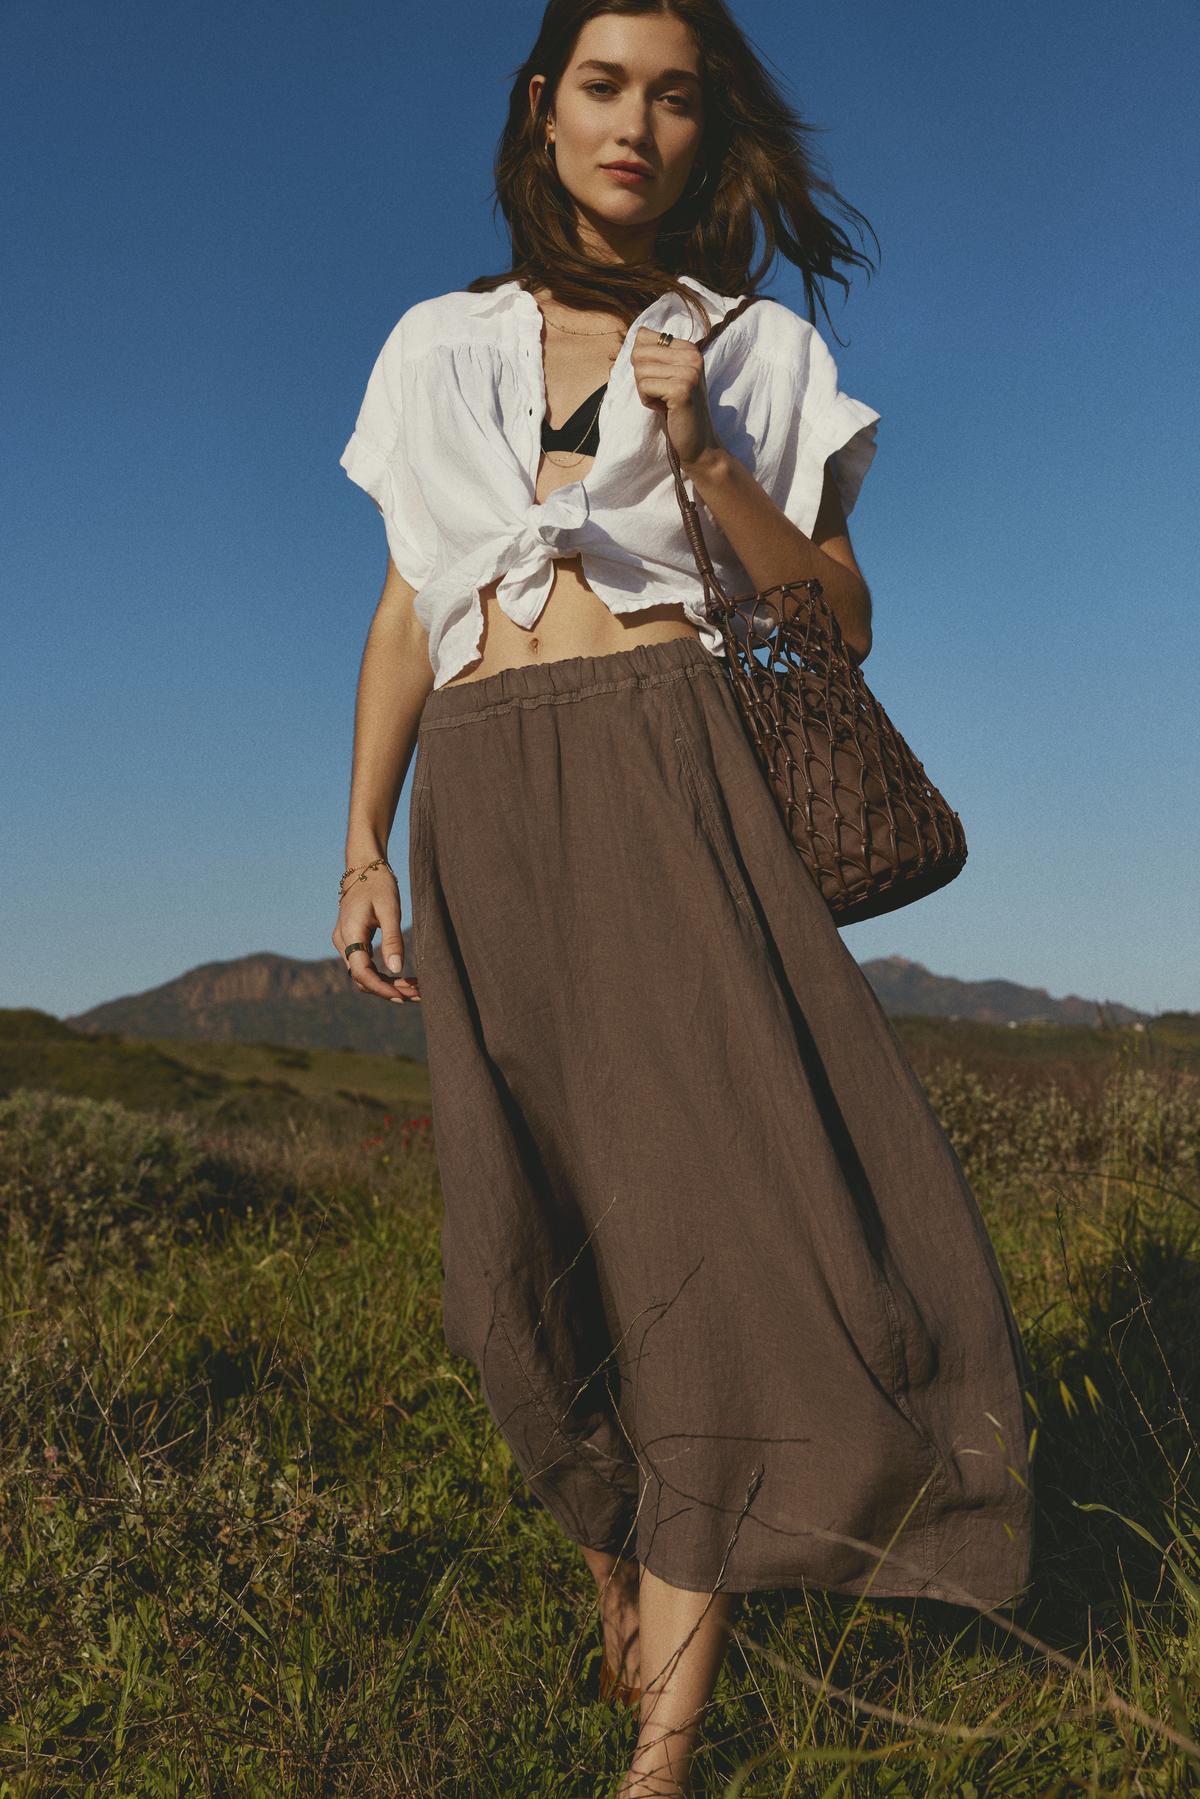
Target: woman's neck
x=608, y=243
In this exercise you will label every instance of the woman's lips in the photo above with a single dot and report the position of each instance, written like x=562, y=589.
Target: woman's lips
x=627, y=177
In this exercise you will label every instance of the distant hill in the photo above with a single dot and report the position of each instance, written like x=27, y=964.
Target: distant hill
x=907, y=990
x=267, y=998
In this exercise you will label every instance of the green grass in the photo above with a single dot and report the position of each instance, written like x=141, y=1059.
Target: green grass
x=265, y=1084
x=261, y=1537
x=390, y=1081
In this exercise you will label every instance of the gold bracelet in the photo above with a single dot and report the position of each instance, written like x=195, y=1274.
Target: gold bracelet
x=350, y=871
x=362, y=872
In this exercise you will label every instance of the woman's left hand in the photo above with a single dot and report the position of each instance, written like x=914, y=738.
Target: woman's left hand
x=670, y=379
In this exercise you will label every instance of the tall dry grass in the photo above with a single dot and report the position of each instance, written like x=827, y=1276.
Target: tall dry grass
x=261, y=1537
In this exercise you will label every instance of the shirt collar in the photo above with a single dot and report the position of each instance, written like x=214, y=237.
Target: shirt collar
x=667, y=310
x=494, y=299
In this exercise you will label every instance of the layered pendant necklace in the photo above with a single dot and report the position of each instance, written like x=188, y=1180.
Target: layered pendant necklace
x=593, y=411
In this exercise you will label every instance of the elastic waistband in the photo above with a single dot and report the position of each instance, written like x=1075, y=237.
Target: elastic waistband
x=567, y=678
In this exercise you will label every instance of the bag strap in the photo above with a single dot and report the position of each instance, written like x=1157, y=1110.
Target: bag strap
x=691, y=518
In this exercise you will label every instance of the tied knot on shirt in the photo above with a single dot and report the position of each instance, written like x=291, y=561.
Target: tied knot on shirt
x=563, y=510
x=546, y=536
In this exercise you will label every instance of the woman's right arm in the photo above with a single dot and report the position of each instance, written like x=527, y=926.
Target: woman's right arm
x=393, y=684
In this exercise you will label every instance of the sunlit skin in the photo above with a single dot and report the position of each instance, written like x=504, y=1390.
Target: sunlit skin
x=632, y=92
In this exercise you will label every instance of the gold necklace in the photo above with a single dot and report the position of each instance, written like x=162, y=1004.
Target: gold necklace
x=548, y=454
x=617, y=332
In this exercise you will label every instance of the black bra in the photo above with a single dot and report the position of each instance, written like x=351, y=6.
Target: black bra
x=570, y=435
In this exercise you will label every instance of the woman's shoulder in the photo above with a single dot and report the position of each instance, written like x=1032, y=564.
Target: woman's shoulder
x=770, y=328
x=438, y=319
x=770, y=341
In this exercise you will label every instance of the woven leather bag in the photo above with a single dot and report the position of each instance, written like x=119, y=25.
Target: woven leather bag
x=872, y=829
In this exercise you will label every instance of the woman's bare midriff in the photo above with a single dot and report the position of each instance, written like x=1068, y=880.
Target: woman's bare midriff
x=574, y=622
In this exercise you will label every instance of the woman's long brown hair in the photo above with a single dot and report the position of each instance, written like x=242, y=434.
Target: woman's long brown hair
x=760, y=173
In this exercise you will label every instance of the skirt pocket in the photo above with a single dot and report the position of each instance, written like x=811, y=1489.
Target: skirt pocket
x=420, y=851
x=699, y=779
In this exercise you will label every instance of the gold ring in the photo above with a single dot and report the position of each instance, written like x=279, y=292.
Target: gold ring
x=351, y=947
x=665, y=338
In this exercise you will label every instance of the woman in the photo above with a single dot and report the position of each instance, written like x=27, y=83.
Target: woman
x=734, y=1307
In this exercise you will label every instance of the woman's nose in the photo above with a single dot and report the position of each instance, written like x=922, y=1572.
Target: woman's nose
x=637, y=133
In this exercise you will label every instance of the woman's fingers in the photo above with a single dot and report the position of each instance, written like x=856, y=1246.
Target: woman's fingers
x=360, y=963
x=670, y=380
x=360, y=928
x=681, y=352
x=391, y=942
x=387, y=908
x=679, y=365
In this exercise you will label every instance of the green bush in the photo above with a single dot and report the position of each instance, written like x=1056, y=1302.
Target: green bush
x=76, y=1172
x=1147, y=1125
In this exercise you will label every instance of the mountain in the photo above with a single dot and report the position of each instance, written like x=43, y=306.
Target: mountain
x=266, y=998
x=906, y=989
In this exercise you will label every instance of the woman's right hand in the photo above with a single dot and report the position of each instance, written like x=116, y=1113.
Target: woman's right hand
x=369, y=905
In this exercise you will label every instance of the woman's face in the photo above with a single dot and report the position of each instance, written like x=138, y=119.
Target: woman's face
x=631, y=93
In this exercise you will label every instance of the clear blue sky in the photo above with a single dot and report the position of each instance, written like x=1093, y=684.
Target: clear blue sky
x=216, y=213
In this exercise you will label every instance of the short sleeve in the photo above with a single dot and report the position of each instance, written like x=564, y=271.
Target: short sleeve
x=377, y=460
x=835, y=426
x=793, y=417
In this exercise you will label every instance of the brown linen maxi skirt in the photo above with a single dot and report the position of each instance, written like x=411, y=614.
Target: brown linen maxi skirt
x=733, y=1304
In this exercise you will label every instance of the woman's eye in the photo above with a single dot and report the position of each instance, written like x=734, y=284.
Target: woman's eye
x=680, y=101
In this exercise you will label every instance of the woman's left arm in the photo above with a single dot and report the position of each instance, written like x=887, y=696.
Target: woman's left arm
x=768, y=545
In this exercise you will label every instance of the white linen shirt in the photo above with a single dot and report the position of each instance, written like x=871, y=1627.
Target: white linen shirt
x=448, y=442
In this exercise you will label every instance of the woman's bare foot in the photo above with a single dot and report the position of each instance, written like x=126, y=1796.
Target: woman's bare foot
x=652, y=1786
x=617, y=1582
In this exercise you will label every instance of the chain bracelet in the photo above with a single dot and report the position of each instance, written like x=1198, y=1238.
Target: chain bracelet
x=362, y=873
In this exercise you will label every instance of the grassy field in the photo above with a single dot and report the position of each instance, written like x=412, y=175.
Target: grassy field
x=267, y=1084
x=260, y=1536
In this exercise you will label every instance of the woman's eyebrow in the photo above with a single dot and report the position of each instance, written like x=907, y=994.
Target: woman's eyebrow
x=616, y=68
